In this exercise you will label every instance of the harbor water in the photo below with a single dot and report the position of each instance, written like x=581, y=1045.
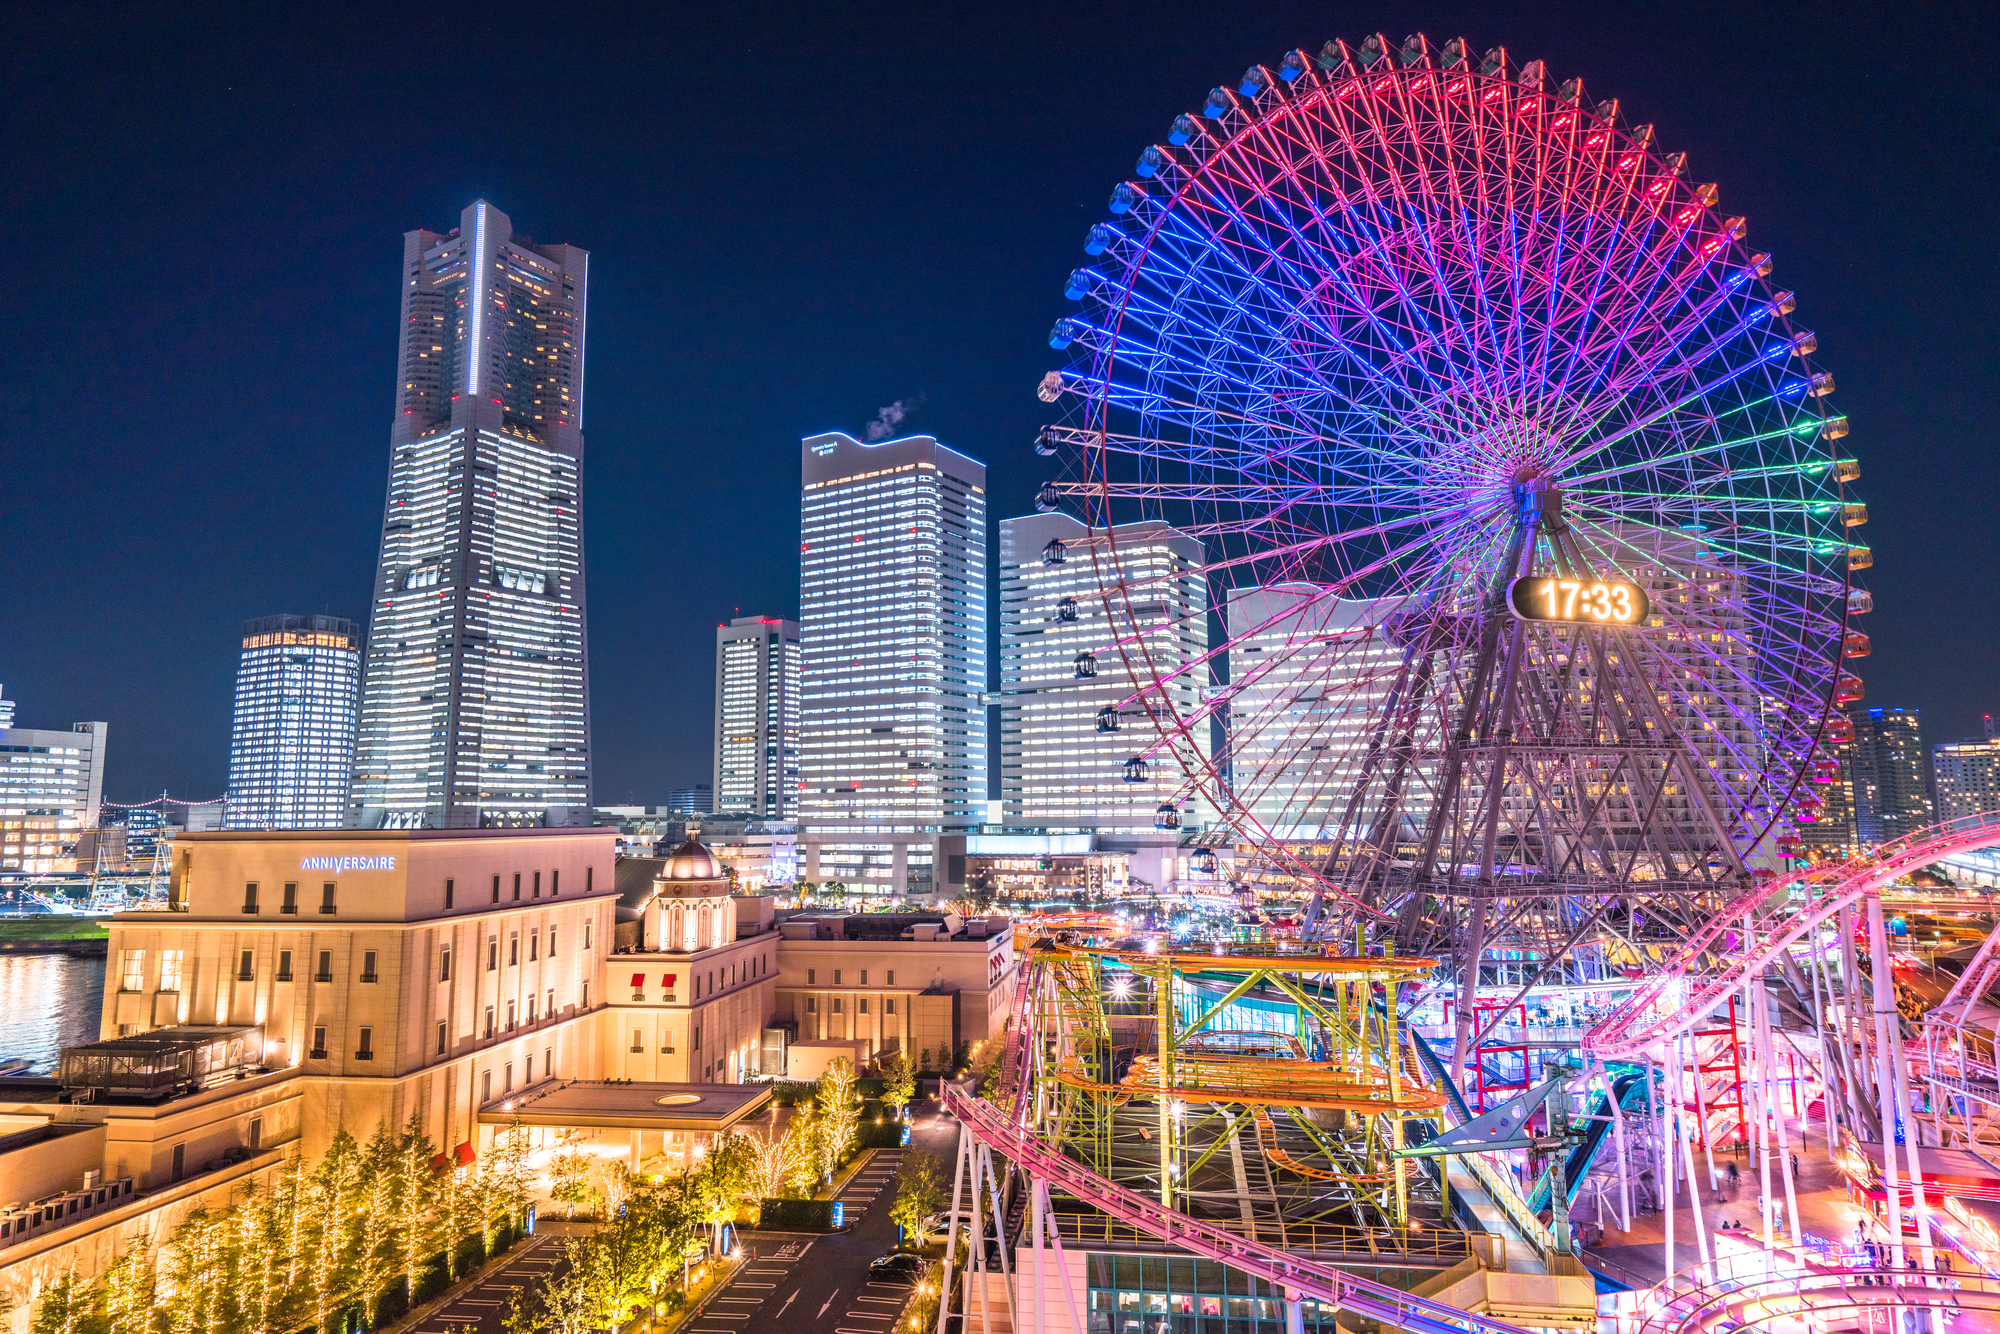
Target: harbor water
x=47, y=1002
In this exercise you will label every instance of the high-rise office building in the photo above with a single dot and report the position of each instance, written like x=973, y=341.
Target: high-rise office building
x=1062, y=757
x=1966, y=774
x=1310, y=676
x=1887, y=771
x=475, y=710
x=51, y=785
x=696, y=800
x=892, y=626
x=291, y=744
x=757, y=717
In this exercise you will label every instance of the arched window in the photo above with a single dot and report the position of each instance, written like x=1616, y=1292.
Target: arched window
x=706, y=937
x=679, y=939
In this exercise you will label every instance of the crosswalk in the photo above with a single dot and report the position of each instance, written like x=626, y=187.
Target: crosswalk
x=479, y=1309
x=862, y=1188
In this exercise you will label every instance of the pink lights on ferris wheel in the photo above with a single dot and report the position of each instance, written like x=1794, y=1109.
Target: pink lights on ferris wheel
x=1333, y=322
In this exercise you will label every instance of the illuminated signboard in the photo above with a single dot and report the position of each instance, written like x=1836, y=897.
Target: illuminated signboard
x=347, y=863
x=1578, y=601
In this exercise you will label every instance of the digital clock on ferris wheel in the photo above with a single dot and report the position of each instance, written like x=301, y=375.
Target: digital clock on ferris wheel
x=1578, y=601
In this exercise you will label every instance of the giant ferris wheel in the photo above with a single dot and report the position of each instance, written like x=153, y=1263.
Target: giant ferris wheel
x=1527, y=541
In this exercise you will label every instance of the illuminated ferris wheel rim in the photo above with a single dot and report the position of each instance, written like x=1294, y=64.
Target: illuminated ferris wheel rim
x=1301, y=464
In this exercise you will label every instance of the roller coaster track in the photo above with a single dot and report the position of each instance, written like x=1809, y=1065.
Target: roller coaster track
x=1323, y=1282
x=1655, y=1014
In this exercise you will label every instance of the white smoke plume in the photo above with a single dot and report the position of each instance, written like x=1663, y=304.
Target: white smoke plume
x=889, y=418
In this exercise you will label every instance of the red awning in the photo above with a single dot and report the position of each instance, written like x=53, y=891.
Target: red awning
x=667, y=979
x=638, y=980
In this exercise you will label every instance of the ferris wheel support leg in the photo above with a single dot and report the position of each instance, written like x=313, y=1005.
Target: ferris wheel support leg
x=1885, y=1007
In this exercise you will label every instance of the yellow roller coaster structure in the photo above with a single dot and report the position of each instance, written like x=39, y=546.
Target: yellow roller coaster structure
x=1224, y=1040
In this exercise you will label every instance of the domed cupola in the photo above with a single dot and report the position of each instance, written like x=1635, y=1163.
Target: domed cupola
x=692, y=861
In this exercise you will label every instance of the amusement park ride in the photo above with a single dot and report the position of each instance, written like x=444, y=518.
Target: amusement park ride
x=1534, y=476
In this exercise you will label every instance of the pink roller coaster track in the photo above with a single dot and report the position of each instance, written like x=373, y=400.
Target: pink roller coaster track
x=1654, y=1015
x=1320, y=1281
x=999, y=1127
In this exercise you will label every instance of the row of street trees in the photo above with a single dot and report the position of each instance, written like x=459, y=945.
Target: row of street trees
x=375, y=1228
x=365, y=1234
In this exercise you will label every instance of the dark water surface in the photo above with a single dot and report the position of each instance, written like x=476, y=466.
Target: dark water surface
x=48, y=1002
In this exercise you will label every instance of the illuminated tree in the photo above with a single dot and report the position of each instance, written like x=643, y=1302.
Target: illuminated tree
x=899, y=1084
x=376, y=1219
x=196, y=1269
x=415, y=1192
x=66, y=1306
x=837, y=1115
x=569, y=1181
x=919, y=1193
x=723, y=1181
x=328, y=1206
x=128, y=1291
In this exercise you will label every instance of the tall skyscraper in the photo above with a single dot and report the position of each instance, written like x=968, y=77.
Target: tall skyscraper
x=757, y=717
x=291, y=745
x=475, y=711
x=1060, y=668
x=1967, y=774
x=892, y=625
x=51, y=785
x=1888, y=769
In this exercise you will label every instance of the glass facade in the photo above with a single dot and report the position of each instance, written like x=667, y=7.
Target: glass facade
x=475, y=708
x=291, y=740
x=1887, y=771
x=1157, y=1294
x=1060, y=770
x=1968, y=778
x=757, y=662
x=1311, y=676
x=51, y=785
x=892, y=601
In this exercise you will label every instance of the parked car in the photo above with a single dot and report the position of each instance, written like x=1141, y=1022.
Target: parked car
x=896, y=1265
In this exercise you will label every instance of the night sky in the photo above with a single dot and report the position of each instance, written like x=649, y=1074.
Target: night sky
x=797, y=215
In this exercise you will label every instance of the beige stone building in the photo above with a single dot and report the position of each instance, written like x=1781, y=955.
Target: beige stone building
x=897, y=981
x=305, y=982
x=693, y=980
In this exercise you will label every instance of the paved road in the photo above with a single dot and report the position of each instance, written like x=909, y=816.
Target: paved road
x=819, y=1284
x=478, y=1310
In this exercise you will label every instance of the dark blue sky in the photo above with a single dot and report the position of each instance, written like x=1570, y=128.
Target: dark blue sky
x=797, y=214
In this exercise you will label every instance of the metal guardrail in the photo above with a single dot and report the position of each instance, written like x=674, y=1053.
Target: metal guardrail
x=1508, y=1196
x=1445, y=1246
